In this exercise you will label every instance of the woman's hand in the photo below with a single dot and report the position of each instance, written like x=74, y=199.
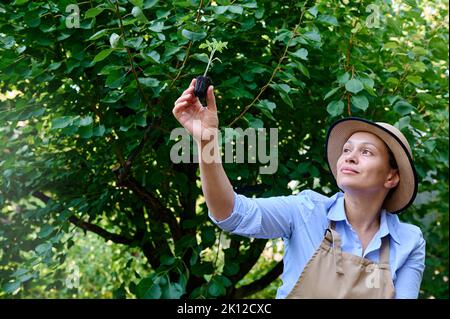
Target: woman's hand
x=201, y=122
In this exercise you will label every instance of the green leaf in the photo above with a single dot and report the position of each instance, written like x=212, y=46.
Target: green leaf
x=43, y=248
x=85, y=131
x=250, y=5
x=224, y=281
x=32, y=19
x=236, y=9
x=313, y=10
x=411, y=3
x=392, y=69
x=231, y=269
x=283, y=90
x=335, y=108
x=54, y=66
x=20, y=272
x=156, y=26
x=327, y=19
x=253, y=121
x=193, y=36
x=390, y=45
x=313, y=36
x=102, y=55
x=149, y=82
x=167, y=260
x=343, y=78
x=45, y=231
x=331, y=93
x=215, y=289
x=62, y=122
x=220, y=9
x=137, y=3
x=419, y=67
x=403, y=108
x=360, y=101
x=155, y=56
x=93, y=12
x=414, y=79
x=266, y=104
x=354, y=86
x=115, y=79
x=301, y=53
x=149, y=3
x=303, y=69
x=154, y=292
x=172, y=291
x=84, y=121
x=11, y=287
x=403, y=122
x=137, y=13
x=99, y=130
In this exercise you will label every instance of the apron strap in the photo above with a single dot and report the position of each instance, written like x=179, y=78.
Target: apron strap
x=384, y=250
x=333, y=237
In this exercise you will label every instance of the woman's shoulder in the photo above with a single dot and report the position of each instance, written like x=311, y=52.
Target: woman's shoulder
x=317, y=197
x=317, y=201
x=404, y=231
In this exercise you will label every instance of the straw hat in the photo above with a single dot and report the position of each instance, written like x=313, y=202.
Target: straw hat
x=339, y=132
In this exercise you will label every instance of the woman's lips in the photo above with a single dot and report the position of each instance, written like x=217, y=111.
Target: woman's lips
x=348, y=170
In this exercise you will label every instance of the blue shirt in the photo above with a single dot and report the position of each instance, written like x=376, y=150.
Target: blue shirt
x=301, y=220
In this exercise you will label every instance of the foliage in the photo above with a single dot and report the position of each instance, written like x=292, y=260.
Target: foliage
x=212, y=48
x=85, y=123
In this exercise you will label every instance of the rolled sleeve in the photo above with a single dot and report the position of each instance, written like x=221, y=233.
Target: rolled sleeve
x=409, y=276
x=261, y=217
x=235, y=218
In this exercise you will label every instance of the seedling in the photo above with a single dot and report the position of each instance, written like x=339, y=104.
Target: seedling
x=203, y=82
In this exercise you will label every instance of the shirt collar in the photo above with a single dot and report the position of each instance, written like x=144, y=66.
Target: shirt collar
x=388, y=221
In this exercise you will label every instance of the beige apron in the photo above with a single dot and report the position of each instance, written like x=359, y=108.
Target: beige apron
x=331, y=273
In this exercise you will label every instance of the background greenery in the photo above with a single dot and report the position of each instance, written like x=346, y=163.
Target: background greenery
x=87, y=187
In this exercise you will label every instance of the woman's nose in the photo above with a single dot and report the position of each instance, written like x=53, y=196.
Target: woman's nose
x=350, y=157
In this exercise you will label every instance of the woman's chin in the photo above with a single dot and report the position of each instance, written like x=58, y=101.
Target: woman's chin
x=349, y=186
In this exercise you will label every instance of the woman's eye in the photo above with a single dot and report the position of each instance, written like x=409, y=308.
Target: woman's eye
x=345, y=150
x=367, y=152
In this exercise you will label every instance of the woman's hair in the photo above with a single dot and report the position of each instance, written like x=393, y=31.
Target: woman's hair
x=392, y=161
x=393, y=165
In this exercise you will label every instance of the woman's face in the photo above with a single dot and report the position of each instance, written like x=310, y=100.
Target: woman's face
x=364, y=165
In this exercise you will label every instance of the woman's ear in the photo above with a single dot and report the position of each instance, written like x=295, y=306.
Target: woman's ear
x=392, y=179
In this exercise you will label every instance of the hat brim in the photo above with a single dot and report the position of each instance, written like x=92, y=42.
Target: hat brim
x=338, y=134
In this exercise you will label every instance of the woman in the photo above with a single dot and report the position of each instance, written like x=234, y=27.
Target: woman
x=349, y=245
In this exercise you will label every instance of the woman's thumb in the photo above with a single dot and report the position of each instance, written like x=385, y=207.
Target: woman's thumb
x=210, y=99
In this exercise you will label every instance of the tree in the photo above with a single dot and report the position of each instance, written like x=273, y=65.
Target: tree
x=85, y=124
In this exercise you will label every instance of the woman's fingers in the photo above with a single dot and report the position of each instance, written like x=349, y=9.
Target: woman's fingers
x=190, y=88
x=210, y=99
x=179, y=107
x=186, y=97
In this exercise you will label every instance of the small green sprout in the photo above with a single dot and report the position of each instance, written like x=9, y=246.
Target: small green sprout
x=213, y=47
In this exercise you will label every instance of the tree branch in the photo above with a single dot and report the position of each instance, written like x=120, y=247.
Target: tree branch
x=160, y=212
x=252, y=256
x=275, y=71
x=119, y=239
x=259, y=284
x=197, y=19
x=130, y=58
